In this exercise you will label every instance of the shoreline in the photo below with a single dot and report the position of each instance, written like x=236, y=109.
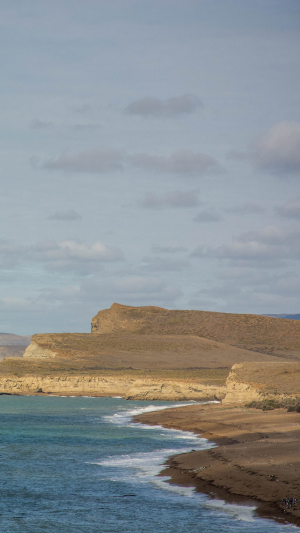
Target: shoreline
x=255, y=462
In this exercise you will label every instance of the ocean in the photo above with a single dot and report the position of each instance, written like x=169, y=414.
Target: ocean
x=79, y=465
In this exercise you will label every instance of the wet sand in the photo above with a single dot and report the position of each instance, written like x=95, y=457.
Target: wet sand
x=256, y=460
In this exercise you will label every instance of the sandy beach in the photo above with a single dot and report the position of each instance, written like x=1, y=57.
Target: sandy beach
x=256, y=460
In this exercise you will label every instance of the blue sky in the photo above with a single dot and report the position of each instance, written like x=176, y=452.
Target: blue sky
x=150, y=156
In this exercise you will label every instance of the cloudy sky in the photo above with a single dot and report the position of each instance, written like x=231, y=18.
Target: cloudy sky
x=150, y=156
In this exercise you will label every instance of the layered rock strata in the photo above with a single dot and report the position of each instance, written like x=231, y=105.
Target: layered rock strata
x=126, y=386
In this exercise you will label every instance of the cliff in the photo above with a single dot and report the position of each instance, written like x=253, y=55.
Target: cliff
x=153, y=353
x=245, y=382
x=129, y=386
x=255, y=381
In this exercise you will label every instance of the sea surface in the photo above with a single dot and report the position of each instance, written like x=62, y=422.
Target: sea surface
x=79, y=465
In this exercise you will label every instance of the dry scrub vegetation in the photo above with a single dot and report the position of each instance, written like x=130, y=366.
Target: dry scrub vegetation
x=273, y=336
x=170, y=344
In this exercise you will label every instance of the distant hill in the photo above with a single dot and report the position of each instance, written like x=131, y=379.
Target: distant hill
x=290, y=317
x=9, y=339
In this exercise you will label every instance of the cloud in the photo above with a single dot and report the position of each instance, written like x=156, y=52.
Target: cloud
x=67, y=255
x=100, y=160
x=269, y=244
x=9, y=302
x=207, y=216
x=10, y=254
x=246, y=209
x=277, y=150
x=185, y=162
x=37, y=124
x=147, y=289
x=290, y=209
x=172, y=199
x=65, y=215
x=156, y=108
x=157, y=264
x=168, y=249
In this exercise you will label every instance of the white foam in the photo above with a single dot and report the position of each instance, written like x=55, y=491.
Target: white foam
x=125, y=416
x=240, y=512
x=144, y=467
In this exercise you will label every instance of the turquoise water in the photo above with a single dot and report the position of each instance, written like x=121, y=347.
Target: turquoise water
x=72, y=465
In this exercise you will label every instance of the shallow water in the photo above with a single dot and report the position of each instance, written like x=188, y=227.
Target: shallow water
x=72, y=465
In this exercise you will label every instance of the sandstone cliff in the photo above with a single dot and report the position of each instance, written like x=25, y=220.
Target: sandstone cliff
x=127, y=386
x=255, y=381
x=245, y=382
x=153, y=353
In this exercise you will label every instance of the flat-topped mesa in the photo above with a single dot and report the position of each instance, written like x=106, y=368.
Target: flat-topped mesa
x=124, y=318
x=257, y=333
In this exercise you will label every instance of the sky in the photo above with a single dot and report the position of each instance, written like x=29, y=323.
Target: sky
x=150, y=155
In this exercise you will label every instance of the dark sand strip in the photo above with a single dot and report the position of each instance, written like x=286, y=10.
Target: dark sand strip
x=257, y=460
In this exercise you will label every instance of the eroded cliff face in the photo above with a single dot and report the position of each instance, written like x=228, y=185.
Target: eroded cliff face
x=36, y=351
x=246, y=382
x=255, y=381
x=126, y=386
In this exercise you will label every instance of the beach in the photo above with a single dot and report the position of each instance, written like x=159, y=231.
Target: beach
x=256, y=456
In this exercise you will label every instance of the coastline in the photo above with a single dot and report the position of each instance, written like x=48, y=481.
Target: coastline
x=256, y=459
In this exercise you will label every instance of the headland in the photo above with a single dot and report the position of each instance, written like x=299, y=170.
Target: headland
x=150, y=353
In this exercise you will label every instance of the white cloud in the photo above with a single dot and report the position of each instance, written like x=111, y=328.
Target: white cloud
x=154, y=107
x=290, y=209
x=172, y=199
x=269, y=244
x=70, y=250
x=157, y=264
x=11, y=302
x=68, y=255
x=278, y=150
x=65, y=215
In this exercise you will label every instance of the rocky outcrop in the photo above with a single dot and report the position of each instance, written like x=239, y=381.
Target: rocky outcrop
x=246, y=382
x=36, y=351
x=255, y=381
x=124, y=318
x=126, y=386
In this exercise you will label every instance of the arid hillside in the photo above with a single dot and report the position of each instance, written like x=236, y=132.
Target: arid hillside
x=273, y=336
x=154, y=353
x=141, y=352
x=15, y=350
x=10, y=339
